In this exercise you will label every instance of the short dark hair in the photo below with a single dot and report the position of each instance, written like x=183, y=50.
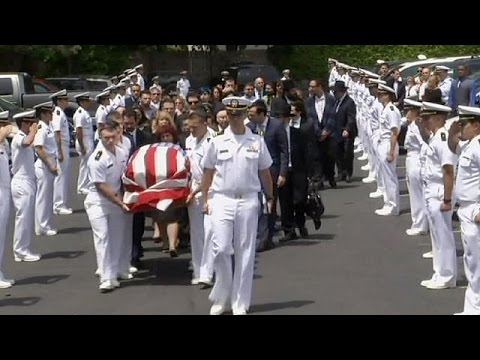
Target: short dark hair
x=110, y=127
x=260, y=106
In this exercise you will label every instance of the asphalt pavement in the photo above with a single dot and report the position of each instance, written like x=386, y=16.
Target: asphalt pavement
x=357, y=263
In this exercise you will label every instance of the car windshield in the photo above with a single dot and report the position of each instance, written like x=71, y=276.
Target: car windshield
x=7, y=105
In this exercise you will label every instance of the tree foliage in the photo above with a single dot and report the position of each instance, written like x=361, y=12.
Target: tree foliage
x=307, y=61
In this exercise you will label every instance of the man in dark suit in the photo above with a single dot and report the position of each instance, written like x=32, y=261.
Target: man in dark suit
x=301, y=166
x=345, y=130
x=275, y=137
x=399, y=87
x=324, y=123
x=134, y=99
x=137, y=138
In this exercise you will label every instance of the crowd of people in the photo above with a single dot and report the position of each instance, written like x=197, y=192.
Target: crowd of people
x=285, y=144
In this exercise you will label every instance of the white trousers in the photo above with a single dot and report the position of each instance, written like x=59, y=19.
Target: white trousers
x=107, y=235
x=44, y=197
x=388, y=172
x=471, y=256
x=5, y=199
x=23, y=196
x=82, y=183
x=125, y=244
x=206, y=268
x=202, y=262
x=235, y=226
x=415, y=192
x=60, y=189
x=443, y=242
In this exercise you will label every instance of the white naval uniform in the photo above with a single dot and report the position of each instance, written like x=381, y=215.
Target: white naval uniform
x=23, y=194
x=44, y=198
x=5, y=198
x=202, y=252
x=106, y=218
x=82, y=119
x=60, y=185
x=183, y=86
x=126, y=241
x=467, y=189
x=234, y=210
x=413, y=144
x=373, y=131
x=389, y=119
x=437, y=155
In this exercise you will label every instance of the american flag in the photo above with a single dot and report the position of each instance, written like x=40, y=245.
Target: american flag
x=156, y=176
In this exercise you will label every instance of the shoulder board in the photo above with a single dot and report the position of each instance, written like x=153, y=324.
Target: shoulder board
x=479, y=141
x=223, y=151
x=208, y=140
x=58, y=112
x=99, y=155
x=443, y=136
x=391, y=107
x=39, y=126
x=79, y=111
x=109, y=166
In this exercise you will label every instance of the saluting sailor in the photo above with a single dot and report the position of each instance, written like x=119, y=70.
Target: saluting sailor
x=438, y=177
x=45, y=170
x=234, y=165
x=84, y=143
x=24, y=185
x=62, y=137
x=6, y=130
x=467, y=190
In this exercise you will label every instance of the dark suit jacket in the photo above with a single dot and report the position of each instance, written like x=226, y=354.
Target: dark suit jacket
x=345, y=118
x=277, y=143
x=328, y=116
x=307, y=159
x=130, y=102
x=401, y=92
x=141, y=138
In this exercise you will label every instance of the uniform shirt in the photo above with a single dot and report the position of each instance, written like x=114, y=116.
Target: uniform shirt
x=46, y=138
x=237, y=160
x=4, y=168
x=467, y=186
x=106, y=167
x=437, y=155
x=413, y=139
x=82, y=119
x=445, y=87
x=141, y=82
x=101, y=115
x=389, y=119
x=183, y=86
x=374, y=116
x=119, y=100
x=60, y=123
x=196, y=151
x=22, y=157
x=126, y=146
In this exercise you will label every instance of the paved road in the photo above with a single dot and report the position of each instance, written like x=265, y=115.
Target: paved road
x=358, y=263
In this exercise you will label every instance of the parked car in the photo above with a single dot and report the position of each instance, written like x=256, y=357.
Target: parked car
x=81, y=83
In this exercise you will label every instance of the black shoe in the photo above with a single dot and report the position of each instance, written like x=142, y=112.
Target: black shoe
x=288, y=237
x=342, y=177
x=304, y=232
x=318, y=224
x=332, y=183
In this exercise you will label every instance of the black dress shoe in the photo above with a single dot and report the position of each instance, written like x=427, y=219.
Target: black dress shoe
x=342, y=177
x=289, y=237
x=304, y=232
x=332, y=183
x=318, y=224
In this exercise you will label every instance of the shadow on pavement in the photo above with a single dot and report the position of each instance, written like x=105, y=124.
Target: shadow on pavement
x=79, y=211
x=404, y=211
x=74, y=230
x=44, y=280
x=63, y=254
x=162, y=271
x=329, y=216
x=281, y=305
x=22, y=301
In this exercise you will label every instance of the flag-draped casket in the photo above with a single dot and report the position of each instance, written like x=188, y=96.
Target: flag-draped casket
x=157, y=176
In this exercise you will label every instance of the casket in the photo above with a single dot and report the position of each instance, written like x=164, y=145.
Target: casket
x=157, y=177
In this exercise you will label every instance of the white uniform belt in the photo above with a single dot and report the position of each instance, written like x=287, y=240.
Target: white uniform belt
x=237, y=196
